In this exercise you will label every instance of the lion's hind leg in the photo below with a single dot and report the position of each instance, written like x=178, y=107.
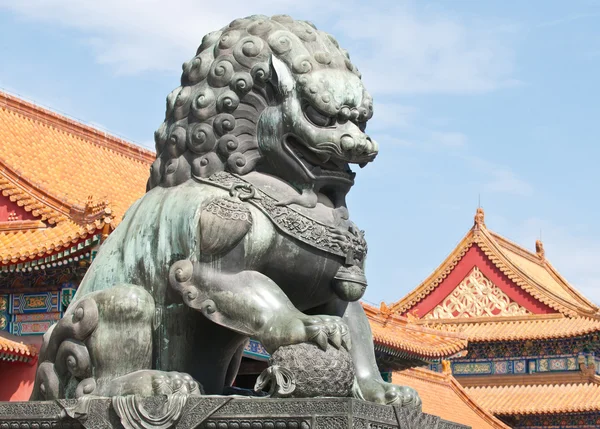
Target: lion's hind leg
x=103, y=346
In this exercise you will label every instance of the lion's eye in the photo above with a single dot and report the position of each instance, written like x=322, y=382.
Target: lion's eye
x=317, y=118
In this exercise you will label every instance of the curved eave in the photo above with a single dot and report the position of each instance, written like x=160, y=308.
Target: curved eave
x=12, y=351
x=23, y=254
x=538, y=399
x=435, y=384
x=41, y=204
x=549, y=268
x=520, y=328
x=399, y=337
x=489, y=245
x=435, y=278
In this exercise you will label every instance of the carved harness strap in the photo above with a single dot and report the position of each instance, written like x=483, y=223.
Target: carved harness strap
x=350, y=245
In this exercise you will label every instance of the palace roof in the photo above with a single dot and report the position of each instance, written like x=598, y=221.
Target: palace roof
x=417, y=342
x=491, y=289
x=13, y=351
x=538, y=399
x=518, y=328
x=442, y=395
x=63, y=183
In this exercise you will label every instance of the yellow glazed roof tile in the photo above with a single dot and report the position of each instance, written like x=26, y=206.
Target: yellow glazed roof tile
x=517, y=328
x=442, y=395
x=538, y=399
x=538, y=268
x=73, y=179
x=13, y=350
x=400, y=334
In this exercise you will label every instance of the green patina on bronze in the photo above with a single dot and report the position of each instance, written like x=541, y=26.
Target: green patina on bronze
x=244, y=232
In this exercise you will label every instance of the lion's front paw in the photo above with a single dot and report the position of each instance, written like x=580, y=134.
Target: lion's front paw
x=381, y=392
x=321, y=330
x=149, y=382
x=167, y=383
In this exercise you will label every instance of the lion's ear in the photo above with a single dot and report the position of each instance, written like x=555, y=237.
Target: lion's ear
x=281, y=76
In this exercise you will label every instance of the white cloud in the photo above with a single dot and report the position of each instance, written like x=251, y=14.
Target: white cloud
x=567, y=19
x=387, y=139
x=506, y=181
x=421, y=50
x=140, y=35
x=449, y=139
x=400, y=50
x=392, y=115
x=499, y=179
x=574, y=253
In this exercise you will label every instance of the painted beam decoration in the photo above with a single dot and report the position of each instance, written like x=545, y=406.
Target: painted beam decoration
x=34, y=313
x=255, y=350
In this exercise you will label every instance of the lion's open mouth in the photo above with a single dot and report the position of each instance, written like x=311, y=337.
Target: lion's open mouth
x=320, y=166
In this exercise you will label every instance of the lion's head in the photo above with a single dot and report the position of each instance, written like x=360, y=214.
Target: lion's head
x=268, y=94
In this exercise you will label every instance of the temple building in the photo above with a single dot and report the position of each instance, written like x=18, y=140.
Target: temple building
x=533, y=339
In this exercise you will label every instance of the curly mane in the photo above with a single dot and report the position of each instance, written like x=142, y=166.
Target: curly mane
x=210, y=120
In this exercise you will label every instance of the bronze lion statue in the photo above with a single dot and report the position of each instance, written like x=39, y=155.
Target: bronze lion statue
x=243, y=232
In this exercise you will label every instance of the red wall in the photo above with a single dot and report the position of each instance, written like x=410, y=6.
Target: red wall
x=476, y=258
x=16, y=380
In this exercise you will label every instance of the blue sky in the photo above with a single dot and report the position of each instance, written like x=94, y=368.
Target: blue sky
x=496, y=98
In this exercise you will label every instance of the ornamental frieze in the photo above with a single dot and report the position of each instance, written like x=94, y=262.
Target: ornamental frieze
x=476, y=296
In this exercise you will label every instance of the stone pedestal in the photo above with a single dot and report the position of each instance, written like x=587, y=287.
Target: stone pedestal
x=214, y=412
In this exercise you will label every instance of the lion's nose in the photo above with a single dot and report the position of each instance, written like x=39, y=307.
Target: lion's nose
x=358, y=146
x=373, y=147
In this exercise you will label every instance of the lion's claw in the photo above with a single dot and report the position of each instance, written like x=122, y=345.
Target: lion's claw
x=149, y=382
x=167, y=383
x=331, y=330
x=317, y=335
x=335, y=337
x=320, y=330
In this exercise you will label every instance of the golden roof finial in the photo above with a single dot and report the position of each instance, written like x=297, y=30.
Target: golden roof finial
x=539, y=249
x=479, y=217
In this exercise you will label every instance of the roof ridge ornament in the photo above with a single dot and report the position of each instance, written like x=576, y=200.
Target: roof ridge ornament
x=539, y=249
x=479, y=218
x=384, y=309
x=386, y=312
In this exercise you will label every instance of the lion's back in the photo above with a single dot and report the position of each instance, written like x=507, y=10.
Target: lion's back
x=158, y=229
